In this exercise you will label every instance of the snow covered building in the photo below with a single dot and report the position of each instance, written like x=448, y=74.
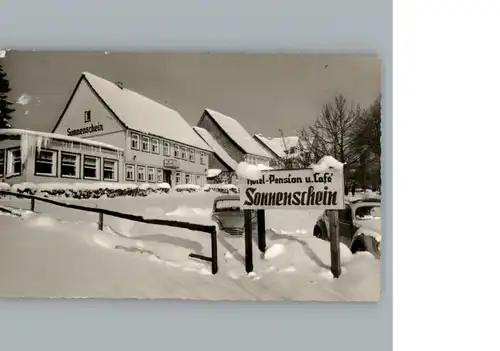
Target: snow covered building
x=36, y=157
x=159, y=145
x=222, y=166
x=233, y=138
x=289, y=151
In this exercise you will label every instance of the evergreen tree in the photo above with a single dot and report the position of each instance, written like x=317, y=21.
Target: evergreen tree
x=5, y=105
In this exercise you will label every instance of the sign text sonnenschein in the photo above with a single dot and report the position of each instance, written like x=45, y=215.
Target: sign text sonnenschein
x=294, y=189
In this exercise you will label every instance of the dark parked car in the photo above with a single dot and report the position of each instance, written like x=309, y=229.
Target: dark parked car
x=229, y=216
x=360, y=226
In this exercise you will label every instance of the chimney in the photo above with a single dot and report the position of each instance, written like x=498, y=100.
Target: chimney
x=119, y=84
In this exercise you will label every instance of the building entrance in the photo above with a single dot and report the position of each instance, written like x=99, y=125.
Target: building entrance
x=167, y=176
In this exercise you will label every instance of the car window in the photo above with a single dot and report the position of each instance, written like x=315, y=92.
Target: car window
x=345, y=215
x=368, y=212
x=348, y=214
x=227, y=205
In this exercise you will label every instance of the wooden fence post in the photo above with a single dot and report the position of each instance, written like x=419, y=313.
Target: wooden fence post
x=32, y=205
x=261, y=230
x=101, y=221
x=213, y=237
x=334, y=230
x=248, y=241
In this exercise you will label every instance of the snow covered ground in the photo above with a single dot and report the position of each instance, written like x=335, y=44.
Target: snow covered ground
x=58, y=252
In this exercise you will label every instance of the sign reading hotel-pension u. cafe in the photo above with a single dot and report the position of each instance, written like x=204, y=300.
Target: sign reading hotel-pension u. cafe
x=294, y=189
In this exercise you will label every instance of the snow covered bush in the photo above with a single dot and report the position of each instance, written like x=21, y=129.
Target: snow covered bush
x=224, y=188
x=4, y=187
x=190, y=188
x=24, y=188
x=88, y=190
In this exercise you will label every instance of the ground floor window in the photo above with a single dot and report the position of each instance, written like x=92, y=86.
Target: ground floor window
x=70, y=165
x=159, y=175
x=141, y=173
x=110, y=170
x=14, y=164
x=177, y=178
x=130, y=172
x=188, y=179
x=151, y=174
x=91, y=167
x=2, y=162
x=45, y=163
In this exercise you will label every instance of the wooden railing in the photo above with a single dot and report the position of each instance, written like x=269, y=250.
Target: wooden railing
x=210, y=229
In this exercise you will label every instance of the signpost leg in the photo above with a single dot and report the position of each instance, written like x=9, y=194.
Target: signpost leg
x=248, y=241
x=261, y=230
x=334, y=243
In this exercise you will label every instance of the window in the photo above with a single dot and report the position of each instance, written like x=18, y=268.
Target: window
x=70, y=165
x=183, y=153
x=87, y=116
x=141, y=173
x=155, y=146
x=45, y=163
x=110, y=170
x=130, y=172
x=151, y=175
x=2, y=162
x=176, y=151
x=177, y=178
x=188, y=179
x=202, y=158
x=135, y=141
x=14, y=164
x=198, y=180
x=145, y=143
x=90, y=167
x=191, y=155
x=159, y=175
x=166, y=148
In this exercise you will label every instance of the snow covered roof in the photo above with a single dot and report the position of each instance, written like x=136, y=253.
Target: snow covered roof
x=140, y=113
x=43, y=135
x=216, y=148
x=280, y=145
x=238, y=134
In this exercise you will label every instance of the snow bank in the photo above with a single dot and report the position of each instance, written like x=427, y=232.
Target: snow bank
x=152, y=255
x=4, y=186
x=185, y=211
x=3, y=53
x=41, y=221
x=249, y=171
x=326, y=163
x=274, y=251
x=213, y=173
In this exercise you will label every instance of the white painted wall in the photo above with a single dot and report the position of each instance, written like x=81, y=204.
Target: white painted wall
x=74, y=117
x=156, y=160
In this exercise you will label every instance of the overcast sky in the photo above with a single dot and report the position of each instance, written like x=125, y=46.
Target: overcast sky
x=263, y=92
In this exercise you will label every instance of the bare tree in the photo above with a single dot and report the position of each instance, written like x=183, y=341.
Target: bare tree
x=334, y=131
x=351, y=135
